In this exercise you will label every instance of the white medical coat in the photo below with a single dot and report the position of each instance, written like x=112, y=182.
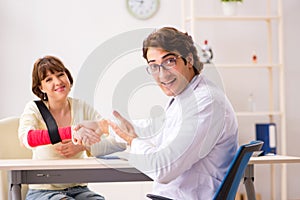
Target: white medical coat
x=188, y=149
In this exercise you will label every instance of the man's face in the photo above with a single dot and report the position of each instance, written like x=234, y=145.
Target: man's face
x=175, y=75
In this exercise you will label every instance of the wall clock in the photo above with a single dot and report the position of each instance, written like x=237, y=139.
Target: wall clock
x=142, y=9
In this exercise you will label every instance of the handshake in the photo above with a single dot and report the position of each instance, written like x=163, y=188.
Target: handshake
x=88, y=133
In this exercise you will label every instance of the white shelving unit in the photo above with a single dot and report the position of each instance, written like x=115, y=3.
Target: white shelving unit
x=190, y=21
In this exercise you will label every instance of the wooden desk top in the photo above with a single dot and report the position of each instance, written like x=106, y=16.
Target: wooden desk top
x=274, y=159
x=87, y=163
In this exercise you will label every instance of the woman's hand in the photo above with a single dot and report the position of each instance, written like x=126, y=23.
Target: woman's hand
x=85, y=136
x=89, y=132
x=125, y=129
x=67, y=149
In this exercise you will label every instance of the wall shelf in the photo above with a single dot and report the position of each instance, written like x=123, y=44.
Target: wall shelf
x=261, y=113
x=247, y=65
x=189, y=20
x=232, y=18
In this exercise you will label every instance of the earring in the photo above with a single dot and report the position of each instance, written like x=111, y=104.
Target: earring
x=45, y=97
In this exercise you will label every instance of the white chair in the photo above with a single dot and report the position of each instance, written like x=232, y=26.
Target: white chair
x=10, y=148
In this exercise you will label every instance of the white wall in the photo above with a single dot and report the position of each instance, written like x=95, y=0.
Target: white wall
x=73, y=29
x=70, y=30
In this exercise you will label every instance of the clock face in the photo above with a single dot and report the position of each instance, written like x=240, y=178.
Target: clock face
x=142, y=9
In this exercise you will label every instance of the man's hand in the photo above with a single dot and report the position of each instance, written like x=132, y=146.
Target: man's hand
x=125, y=130
x=89, y=132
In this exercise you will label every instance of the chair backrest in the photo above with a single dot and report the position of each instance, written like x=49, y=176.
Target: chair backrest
x=232, y=179
x=10, y=148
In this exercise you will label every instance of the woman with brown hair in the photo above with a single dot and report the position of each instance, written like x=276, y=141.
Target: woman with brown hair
x=52, y=83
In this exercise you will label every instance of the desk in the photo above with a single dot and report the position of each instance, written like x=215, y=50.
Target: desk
x=274, y=159
x=27, y=171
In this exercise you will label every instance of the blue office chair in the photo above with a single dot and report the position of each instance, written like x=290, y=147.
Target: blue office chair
x=231, y=181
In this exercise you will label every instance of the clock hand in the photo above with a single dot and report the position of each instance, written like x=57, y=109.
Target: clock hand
x=141, y=2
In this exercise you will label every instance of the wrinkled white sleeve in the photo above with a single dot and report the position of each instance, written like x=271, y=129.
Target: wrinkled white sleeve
x=107, y=146
x=201, y=124
x=113, y=143
x=28, y=121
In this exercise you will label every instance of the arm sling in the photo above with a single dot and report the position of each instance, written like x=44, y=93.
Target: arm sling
x=50, y=122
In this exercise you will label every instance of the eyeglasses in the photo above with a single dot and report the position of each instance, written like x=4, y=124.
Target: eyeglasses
x=167, y=64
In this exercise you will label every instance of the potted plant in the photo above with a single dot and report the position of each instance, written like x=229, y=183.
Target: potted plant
x=230, y=6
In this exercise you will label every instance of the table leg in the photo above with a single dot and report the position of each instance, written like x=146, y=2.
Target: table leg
x=272, y=182
x=14, y=185
x=248, y=181
x=15, y=192
x=283, y=181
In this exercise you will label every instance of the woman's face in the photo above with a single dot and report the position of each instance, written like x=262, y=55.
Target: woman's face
x=56, y=85
x=174, y=80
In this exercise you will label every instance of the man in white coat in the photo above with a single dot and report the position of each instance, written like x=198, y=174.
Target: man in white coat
x=188, y=151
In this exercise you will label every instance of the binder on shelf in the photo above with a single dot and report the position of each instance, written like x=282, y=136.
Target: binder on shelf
x=267, y=133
